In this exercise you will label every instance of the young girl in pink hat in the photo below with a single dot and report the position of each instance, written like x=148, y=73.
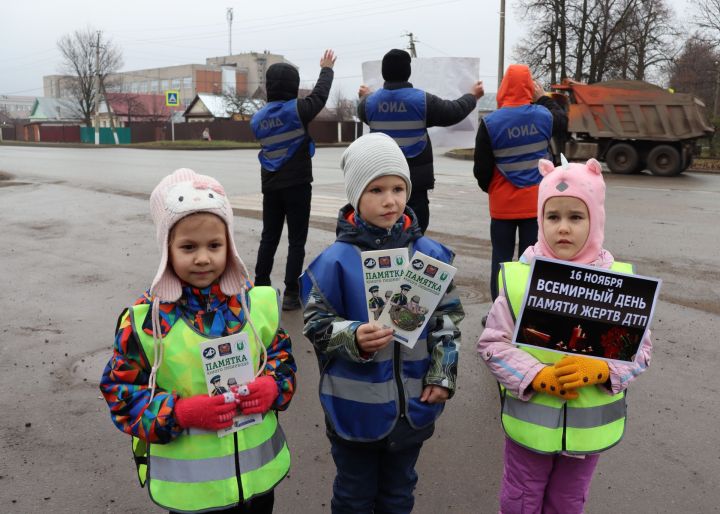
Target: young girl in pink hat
x=155, y=382
x=547, y=469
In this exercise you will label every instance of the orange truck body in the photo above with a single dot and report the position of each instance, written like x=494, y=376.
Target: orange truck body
x=632, y=125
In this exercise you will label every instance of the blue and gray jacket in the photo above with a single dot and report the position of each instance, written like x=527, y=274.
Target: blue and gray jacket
x=278, y=128
x=364, y=395
x=399, y=113
x=520, y=137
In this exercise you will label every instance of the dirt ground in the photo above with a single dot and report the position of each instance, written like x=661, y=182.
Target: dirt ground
x=73, y=255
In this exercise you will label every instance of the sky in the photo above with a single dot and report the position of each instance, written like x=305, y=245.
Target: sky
x=155, y=34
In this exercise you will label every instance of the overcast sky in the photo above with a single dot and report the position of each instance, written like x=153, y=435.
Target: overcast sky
x=154, y=34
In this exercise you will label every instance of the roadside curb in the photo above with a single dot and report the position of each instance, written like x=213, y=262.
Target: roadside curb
x=138, y=146
x=466, y=154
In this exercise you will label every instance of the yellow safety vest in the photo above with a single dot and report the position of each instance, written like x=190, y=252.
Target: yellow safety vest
x=593, y=422
x=198, y=470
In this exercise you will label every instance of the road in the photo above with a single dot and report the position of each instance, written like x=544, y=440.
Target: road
x=79, y=246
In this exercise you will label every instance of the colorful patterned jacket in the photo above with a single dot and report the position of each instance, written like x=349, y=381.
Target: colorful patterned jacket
x=124, y=383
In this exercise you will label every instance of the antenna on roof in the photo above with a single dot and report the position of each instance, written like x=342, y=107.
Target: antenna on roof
x=229, y=16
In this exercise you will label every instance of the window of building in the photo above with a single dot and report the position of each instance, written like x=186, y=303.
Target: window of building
x=154, y=86
x=187, y=82
x=176, y=83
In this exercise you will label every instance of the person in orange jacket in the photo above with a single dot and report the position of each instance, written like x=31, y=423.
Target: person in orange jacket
x=508, y=145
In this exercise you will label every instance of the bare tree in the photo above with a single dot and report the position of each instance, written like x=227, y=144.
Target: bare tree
x=128, y=104
x=646, y=42
x=707, y=16
x=237, y=103
x=83, y=63
x=593, y=40
x=345, y=108
x=696, y=70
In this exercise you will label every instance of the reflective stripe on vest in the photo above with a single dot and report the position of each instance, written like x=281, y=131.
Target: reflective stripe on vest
x=401, y=114
x=218, y=468
x=361, y=400
x=520, y=136
x=197, y=471
x=278, y=128
x=591, y=423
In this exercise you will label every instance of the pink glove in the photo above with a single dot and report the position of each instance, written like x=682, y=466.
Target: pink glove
x=263, y=391
x=206, y=412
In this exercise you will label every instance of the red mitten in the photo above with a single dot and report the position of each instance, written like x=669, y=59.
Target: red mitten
x=206, y=412
x=263, y=391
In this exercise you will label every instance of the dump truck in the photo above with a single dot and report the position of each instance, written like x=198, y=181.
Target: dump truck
x=631, y=125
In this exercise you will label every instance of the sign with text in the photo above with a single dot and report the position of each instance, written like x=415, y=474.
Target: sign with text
x=584, y=310
x=227, y=363
x=382, y=272
x=422, y=286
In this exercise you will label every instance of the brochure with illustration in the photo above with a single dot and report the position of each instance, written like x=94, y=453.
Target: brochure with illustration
x=382, y=272
x=227, y=363
x=420, y=290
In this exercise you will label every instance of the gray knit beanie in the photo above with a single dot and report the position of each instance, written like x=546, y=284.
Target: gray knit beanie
x=369, y=157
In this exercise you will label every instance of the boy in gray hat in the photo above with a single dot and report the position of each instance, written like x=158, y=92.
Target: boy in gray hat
x=380, y=398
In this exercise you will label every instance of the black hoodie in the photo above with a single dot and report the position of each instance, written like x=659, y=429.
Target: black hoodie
x=282, y=82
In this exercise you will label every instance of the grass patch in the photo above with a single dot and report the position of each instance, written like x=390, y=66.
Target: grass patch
x=705, y=164
x=193, y=144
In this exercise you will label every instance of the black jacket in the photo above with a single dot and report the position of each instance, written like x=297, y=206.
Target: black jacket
x=298, y=170
x=440, y=113
x=484, y=159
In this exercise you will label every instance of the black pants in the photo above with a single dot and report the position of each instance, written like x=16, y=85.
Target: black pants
x=420, y=204
x=502, y=237
x=258, y=505
x=292, y=203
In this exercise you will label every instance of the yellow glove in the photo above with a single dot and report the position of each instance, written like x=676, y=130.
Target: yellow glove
x=574, y=371
x=547, y=382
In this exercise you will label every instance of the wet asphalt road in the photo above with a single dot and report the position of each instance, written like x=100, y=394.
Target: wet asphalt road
x=79, y=246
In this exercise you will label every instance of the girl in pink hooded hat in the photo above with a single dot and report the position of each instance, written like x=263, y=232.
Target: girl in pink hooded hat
x=544, y=472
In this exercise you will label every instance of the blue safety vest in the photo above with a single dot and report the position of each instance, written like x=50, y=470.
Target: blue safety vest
x=520, y=137
x=401, y=114
x=363, y=401
x=278, y=128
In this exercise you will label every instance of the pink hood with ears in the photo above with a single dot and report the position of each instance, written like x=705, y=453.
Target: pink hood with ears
x=582, y=181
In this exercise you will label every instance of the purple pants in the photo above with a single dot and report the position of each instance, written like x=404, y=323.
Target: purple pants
x=535, y=483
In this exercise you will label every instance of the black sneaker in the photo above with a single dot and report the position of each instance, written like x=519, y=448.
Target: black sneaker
x=291, y=302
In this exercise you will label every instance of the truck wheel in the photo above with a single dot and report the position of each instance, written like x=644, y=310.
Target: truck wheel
x=622, y=159
x=664, y=161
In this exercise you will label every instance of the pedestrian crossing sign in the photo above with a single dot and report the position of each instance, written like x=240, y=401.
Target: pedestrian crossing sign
x=172, y=98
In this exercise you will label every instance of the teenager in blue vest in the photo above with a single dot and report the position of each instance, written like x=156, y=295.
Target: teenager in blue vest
x=155, y=382
x=558, y=413
x=281, y=127
x=404, y=113
x=380, y=398
x=508, y=144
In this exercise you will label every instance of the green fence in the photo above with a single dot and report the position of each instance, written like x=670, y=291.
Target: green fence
x=87, y=135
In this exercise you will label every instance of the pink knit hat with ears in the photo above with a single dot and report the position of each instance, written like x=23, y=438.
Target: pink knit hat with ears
x=175, y=197
x=582, y=181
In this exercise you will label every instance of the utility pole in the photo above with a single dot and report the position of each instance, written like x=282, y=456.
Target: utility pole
x=111, y=114
x=716, y=103
x=411, y=43
x=97, y=89
x=229, y=16
x=501, y=49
